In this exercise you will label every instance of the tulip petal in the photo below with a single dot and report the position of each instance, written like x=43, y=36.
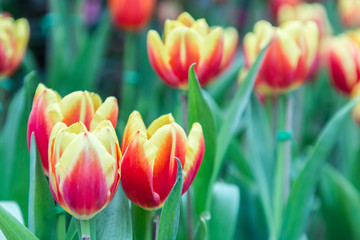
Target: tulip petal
x=86, y=172
x=44, y=115
x=231, y=39
x=211, y=55
x=135, y=123
x=137, y=172
x=77, y=107
x=158, y=123
x=106, y=111
x=159, y=59
x=194, y=155
x=186, y=19
x=165, y=166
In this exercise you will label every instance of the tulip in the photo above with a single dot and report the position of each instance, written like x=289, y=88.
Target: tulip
x=83, y=167
x=49, y=108
x=343, y=61
x=149, y=168
x=187, y=41
x=289, y=57
x=306, y=12
x=349, y=12
x=13, y=43
x=275, y=5
x=131, y=15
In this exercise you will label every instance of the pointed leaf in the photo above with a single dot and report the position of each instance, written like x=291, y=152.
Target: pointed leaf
x=12, y=228
x=169, y=218
x=199, y=111
x=41, y=203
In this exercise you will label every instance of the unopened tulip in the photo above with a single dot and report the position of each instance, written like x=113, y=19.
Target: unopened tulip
x=13, y=42
x=84, y=167
x=349, y=12
x=131, y=15
x=149, y=167
x=187, y=41
x=49, y=108
x=289, y=57
x=343, y=61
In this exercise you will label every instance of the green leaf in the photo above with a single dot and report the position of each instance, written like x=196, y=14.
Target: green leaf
x=340, y=206
x=41, y=203
x=301, y=192
x=114, y=222
x=224, y=211
x=169, y=218
x=72, y=231
x=14, y=154
x=12, y=228
x=234, y=113
x=199, y=111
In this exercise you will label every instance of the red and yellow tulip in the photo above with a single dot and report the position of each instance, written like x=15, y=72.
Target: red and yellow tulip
x=187, y=41
x=84, y=167
x=277, y=4
x=289, y=58
x=49, y=108
x=343, y=61
x=149, y=167
x=306, y=12
x=349, y=12
x=14, y=37
x=131, y=15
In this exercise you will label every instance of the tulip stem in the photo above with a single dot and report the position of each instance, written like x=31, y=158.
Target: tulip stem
x=85, y=229
x=60, y=226
x=129, y=77
x=282, y=178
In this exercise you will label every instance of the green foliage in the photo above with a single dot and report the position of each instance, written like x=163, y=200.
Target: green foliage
x=303, y=188
x=41, y=203
x=340, y=201
x=169, y=218
x=12, y=228
x=224, y=211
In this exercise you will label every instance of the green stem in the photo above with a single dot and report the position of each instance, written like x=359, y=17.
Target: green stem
x=282, y=179
x=60, y=226
x=128, y=87
x=142, y=221
x=85, y=229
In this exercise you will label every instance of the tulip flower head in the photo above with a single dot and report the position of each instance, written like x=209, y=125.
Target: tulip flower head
x=13, y=42
x=84, y=167
x=277, y=4
x=49, y=108
x=289, y=57
x=187, y=41
x=131, y=15
x=149, y=167
x=343, y=61
x=349, y=12
x=306, y=12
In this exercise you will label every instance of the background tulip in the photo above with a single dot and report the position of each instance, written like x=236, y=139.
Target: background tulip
x=349, y=12
x=84, y=167
x=185, y=42
x=148, y=167
x=289, y=58
x=49, y=108
x=131, y=15
x=13, y=43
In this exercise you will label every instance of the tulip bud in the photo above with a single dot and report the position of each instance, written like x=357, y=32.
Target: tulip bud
x=343, y=61
x=84, y=167
x=275, y=5
x=13, y=43
x=49, y=108
x=131, y=15
x=149, y=168
x=289, y=58
x=187, y=41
